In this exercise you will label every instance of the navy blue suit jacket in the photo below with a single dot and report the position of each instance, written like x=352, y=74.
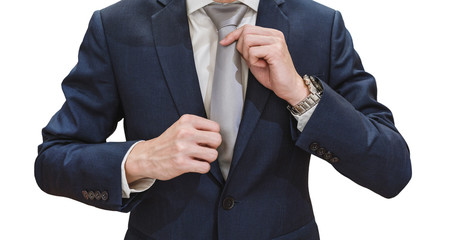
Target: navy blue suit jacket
x=136, y=63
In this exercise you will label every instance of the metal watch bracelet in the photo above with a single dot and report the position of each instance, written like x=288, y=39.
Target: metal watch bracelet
x=311, y=100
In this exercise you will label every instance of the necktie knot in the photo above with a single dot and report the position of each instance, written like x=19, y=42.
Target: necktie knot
x=224, y=15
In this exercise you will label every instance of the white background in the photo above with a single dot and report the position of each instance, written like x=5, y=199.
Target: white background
x=405, y=44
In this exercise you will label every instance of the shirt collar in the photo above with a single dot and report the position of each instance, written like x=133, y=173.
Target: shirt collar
x=194, y=5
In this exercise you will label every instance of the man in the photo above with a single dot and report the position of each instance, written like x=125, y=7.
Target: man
x=153, y=64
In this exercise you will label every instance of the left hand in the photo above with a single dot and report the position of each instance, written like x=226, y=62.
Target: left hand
x=268, y=58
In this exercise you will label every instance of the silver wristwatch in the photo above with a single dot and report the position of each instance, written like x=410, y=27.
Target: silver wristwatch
x=311, y=100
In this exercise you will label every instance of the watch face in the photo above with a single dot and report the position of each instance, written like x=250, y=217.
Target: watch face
x=316, y=83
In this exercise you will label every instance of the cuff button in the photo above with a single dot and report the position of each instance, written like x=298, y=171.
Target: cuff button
x=321, y=151
x=334, y=160
x=85, y=194
x=91, y=195
x=327, y=156
x=98, y=195
x=105, y=195
x=314, y=146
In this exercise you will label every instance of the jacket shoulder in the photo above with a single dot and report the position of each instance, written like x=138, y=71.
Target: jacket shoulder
x=130, y=20
x=130, y=9
x=310, y=7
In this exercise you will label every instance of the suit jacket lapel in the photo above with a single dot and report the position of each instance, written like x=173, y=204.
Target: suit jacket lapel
x=270, y=16
x=174, y=49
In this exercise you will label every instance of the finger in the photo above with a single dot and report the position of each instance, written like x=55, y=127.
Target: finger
x=204, y=124
x=196, y=166
x=251, y=40
x=236, y=34
x=209, y=139
x=203, y=153
x=250, y=29
x=260, y=63
x=200, y=123
x=231, y=37
x=271, y=54
x=258, y=56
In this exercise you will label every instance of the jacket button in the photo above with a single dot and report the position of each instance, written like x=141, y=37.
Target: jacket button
x=105, y=195
x=314, y=146
x=334, y=160
x=321, y=151
x=91, y=195
x=327, y=156
x=85, y=194
x=98, y=195
x=228, y=203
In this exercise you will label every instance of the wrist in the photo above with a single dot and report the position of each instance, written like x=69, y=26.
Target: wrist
x=132, y=164
x=299, y=92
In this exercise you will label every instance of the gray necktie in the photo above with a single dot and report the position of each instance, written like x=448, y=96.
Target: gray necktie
x=227, y=94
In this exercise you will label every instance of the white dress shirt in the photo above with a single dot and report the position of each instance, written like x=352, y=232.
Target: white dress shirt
x=204, y=43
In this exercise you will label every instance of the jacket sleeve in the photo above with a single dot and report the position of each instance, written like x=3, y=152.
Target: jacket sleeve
x=353, y=131
x=74, y=159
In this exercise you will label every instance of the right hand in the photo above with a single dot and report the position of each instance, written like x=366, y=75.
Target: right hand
x=189, y=145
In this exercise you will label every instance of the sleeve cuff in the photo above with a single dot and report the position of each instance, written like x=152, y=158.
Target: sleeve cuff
x=303, y=119
x=137, y=186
